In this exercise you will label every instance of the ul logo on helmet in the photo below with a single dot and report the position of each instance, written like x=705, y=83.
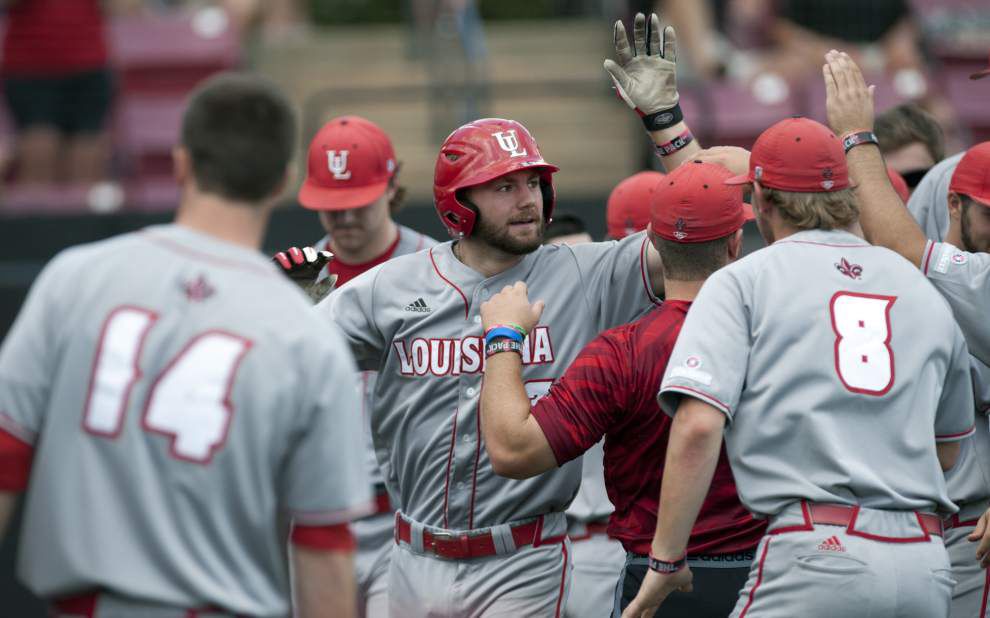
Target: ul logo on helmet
x=338, y=164
x=508, y=142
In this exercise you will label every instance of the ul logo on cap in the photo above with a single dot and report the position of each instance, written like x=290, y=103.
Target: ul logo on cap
x=338, y=164
x=508, y=142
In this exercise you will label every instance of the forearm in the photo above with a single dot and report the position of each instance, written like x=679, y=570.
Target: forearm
x=884, y=218
x=506, y=423
x=692, y=454
x=324, y=583
x=671, y=161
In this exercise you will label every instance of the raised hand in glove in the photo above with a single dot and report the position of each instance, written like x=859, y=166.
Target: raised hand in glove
x=303, y=266
x=647, y=81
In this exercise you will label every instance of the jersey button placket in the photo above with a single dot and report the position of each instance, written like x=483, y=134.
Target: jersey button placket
x=462, y=466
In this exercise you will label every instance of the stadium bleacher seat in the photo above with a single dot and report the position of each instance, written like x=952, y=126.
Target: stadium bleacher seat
x=170, y=54
x=159, y=61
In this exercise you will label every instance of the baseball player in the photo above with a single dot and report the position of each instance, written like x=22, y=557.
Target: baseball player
x=166, y=427
x=928, y=202
x=842, y=386
x=352, y=183
x=628, y=208
x=470, y=543
x=960, y=275
x=608, y=391
x=598, y=558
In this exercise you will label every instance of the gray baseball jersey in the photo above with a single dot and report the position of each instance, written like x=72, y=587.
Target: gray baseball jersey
x=837, y=368
x=409, y=241
x=963, y=278
x=929, y=202
x=969, y=479
x=416, y=320
x=181, y=408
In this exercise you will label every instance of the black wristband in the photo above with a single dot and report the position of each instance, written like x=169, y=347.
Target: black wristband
x=851, y=140
x=666, y=568
x=664, y=119
x=503, y=344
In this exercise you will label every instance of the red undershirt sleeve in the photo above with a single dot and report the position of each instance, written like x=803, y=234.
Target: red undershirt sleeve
x=334, y=537
x=15, y=462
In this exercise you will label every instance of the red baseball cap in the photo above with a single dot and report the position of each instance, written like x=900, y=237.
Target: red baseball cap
x=972, y=175
x=981, y=74
x=900, y=185
x=694, y=203
x=349, y=164
x=628, y=207
x=797, y=154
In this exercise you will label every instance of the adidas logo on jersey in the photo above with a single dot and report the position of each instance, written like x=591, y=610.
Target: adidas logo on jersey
x=832, y=543
x=419, y=306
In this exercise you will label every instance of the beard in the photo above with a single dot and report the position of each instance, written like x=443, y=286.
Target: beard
x=500, y=237
x=968, y=243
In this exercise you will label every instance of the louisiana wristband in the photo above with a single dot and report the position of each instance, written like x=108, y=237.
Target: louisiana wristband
x=502, y=344
x=675, y=144
x=851, y=140
x=664, y=119
x=666, y=568
x=506, y=332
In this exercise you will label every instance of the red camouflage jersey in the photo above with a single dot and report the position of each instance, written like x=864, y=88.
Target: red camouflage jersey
x=610, y=390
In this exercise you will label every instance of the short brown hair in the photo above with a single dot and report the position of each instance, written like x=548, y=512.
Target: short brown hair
x=814, y=211
x=694, y=261
x=240, y=132
x=906, y=124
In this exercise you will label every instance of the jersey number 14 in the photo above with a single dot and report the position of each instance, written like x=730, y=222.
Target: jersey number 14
x=863, y=357
x=189, y=401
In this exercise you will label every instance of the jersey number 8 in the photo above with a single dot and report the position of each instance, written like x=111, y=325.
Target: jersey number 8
x=189, y=401
x=863, y=357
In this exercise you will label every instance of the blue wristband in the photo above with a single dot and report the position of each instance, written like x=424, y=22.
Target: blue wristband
x=503, y=332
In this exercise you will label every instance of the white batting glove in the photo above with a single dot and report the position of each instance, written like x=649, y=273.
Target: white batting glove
x=646, y=81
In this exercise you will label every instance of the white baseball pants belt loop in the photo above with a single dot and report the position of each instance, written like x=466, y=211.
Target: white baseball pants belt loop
x=872, y=524
x=968, y=515
x=481, y=542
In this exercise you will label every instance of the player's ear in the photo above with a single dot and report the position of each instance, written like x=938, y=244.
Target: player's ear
x=654, y=239
x=735, y=245
x=757, y=201
x=181, y=165
x=955, y=206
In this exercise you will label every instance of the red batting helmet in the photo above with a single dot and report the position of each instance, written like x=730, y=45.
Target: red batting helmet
x=478, y=152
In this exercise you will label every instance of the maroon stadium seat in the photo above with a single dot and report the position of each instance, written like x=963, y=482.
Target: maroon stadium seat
x=170, y=54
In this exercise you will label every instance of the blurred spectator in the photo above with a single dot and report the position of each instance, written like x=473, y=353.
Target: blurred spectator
x=911, y=141
x=566, y=229
x=59, y=89
x=628, y=207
